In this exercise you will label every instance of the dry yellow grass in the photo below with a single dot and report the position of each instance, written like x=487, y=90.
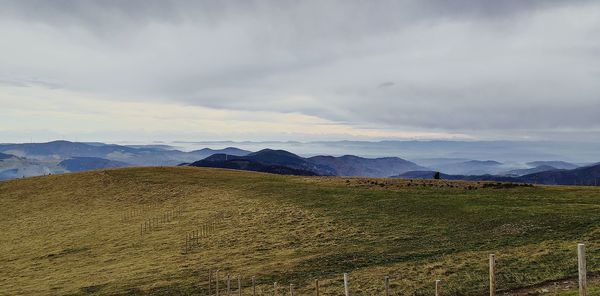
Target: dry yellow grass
x=64, y=234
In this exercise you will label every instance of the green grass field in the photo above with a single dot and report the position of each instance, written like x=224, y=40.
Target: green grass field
x=64, y=234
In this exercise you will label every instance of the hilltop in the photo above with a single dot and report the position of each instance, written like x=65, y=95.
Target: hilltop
x=68, y=234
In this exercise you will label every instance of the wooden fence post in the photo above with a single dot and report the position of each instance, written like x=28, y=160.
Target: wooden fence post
x=438, y=288
x=239, y=285
x=217, y=282
x=253, y=286
x=492, y=275
x=228, y=285
x=291, y=289
x=582, y=269
x=275, y=288
x=386, y=281
x=209, y=282
x=346, y=287
x=317, y=287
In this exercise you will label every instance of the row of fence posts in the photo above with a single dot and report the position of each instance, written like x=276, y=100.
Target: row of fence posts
x=132, y=213
x=192, y=239
x=128, y=215
x=154, y=222
x=438, y=283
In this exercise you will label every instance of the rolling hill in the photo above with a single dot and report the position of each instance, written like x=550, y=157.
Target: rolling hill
x=79, y=233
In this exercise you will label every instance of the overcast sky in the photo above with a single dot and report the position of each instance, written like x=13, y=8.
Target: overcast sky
x=299, y=70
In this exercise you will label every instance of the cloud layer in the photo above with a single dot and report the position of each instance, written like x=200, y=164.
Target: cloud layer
x=471, y=69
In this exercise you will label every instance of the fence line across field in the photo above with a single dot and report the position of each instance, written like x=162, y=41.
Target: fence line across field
x=437, y=283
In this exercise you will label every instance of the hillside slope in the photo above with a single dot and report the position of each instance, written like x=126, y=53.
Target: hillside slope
x=66, y=234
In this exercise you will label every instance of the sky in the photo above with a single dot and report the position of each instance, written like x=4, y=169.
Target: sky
x=299, y=70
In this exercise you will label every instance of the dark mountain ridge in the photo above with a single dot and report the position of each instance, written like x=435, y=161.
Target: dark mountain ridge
x=5, y=156
x=247, y=164
x=350, y=165
x=267, y=160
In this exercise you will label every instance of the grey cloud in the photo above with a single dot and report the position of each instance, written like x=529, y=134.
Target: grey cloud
x=445, y=65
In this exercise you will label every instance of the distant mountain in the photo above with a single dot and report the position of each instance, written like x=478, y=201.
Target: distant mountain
x=10, y=174
x=521, y=172
x=417, y=150
x=464, y=167
x=243, y=163
x=561, y=165
x=63, y=149
x=32, y=159
x=347, y=165
x=288, y=159
x=5, y=156
x=589, y=175
x=136, y=155
x=430, y=174
x=350, y=165
x=229, y=151
x=16, y=167
x=78, y=164
x=282, y=161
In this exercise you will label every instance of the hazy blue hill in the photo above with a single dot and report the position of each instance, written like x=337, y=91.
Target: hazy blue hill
x=521, y=172
x=350, y=165
x=78, y=164
x=65, y=149
x=9, y=174
x=16, y=167
x=467, y=167
x=140, y=155
x=563, y=165
x=228, y=151
x=5, y=156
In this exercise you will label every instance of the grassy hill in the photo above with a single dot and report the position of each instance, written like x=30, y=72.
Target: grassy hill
x=65, y=234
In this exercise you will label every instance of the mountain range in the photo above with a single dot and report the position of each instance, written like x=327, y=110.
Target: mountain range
x=586, y=176
x=32, y=159
x=347, y=165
